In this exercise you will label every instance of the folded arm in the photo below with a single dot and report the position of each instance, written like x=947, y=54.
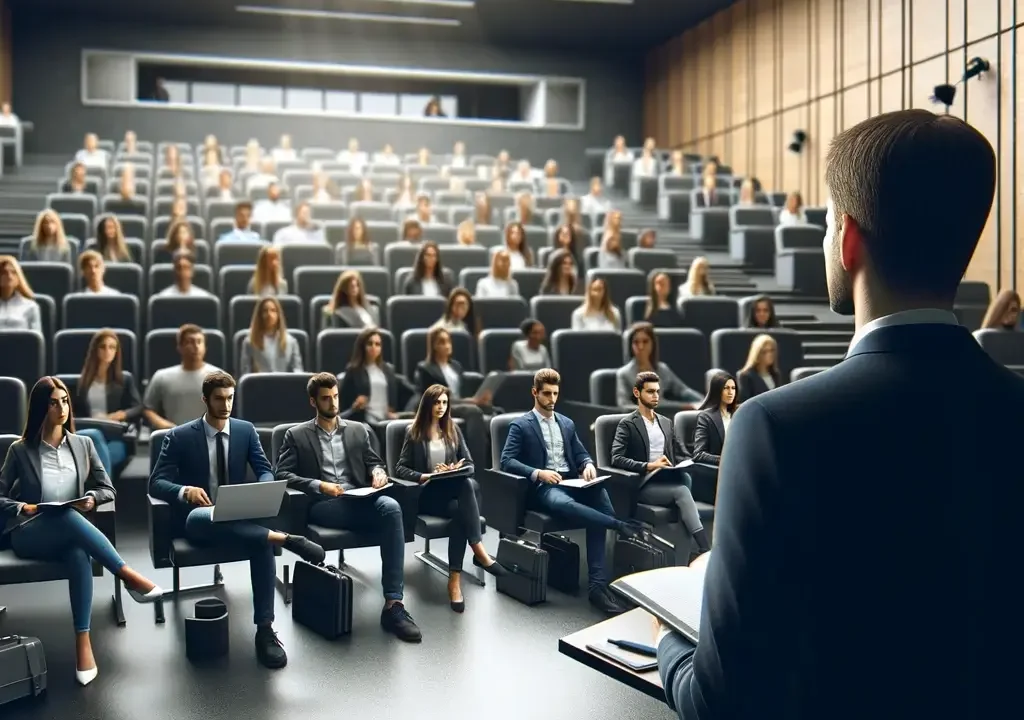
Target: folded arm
x=9, y=475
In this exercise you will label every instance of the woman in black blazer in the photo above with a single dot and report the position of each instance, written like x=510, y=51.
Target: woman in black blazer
x=103, y=380
x=429, y=277
x=761, y=371
x=369, y=389
x=434, y=444
x=714, y=418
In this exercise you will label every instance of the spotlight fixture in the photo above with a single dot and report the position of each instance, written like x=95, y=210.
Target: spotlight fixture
x=945, y=94
x=798, y=142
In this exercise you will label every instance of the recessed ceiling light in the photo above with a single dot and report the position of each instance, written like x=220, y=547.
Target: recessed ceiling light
x=468, y=4
x=349, y=16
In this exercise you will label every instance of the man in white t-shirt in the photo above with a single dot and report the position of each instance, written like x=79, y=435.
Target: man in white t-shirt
x=184, y=269
x=91, y=155
x=175, y=394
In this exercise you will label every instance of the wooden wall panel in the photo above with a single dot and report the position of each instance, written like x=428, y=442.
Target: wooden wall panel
x=740, y=157
x=981, y=19
x=741, y=78
x=764, y=58
x=795, y=54
x=827, y=46
x=928, y=29
x=721, y=75
x=982, y=98
x=766, y=146
x=890, y=20
x=892, y=92
x=792, y=170
x=819, y=145
x=854, y=29
x=925, y=76
x=952, y=11
x=1005, y=199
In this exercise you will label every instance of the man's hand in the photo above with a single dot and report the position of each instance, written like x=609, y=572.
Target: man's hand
x=118, y=416
x=424, y=477
x=27, y=509
x=331, y=489
x=360, y=402
x=549, y=476
x=485, y=398
x=658, y=627
x=379, y=479
x=589, y=473
x=700, y=562
x=86, y=504
x=197, y=496
x=662, y=462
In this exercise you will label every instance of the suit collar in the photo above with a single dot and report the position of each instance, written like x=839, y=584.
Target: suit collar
x=909, y=338
x=922, y=316
x=641, y=427
x=716, y=417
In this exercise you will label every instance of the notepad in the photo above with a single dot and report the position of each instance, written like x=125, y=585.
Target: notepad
x=55, y=505
x=365, y=491
x=581, y=483
x=461, y=472
x=684, y=463
x=672, y=594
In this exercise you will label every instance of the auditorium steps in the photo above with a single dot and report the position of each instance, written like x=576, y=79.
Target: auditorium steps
x=23, y=191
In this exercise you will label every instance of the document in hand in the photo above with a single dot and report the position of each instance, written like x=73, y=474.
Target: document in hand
x=365, y=491
x=54, y=505
x=672, y=594
x=581, y=483
x=448, y=475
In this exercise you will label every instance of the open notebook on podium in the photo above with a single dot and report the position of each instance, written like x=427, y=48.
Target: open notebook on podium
x=672, y=594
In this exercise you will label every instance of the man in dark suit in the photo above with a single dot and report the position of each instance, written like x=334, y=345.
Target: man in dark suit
x=811, y=610
x=327, y=456
x=645, y=443
x=214, y=451
x=542, y=445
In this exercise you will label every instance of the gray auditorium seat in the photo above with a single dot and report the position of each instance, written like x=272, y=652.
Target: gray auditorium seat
x=603, y=386
x=500, y=312
x=400, y=255
x=71, y=345
x=269, y=399
x=729, y=348
x=239, y=337
x=23, y=356
x=234, y=280
x=674, y=206
x=648, y=259
x=529, y=280
x=972, y=292
x=751, y=216
x=804, y=372
x=72, y=204
x=684, y=350
x=13, y=406
x=89, y=310
x=370, y=211
x=237, y=253
x=328, y=211
x=577, y=353
x=800, y=260
x=705, y=477
x=311, y=254
x=414, y=350
x=457, y=257
x=174, y=311
x=412, y=312
x=815, y=216
x=754, y=247
x=162, y=350
x=554, y=311
x=138, y=205
x=334, y=348
x=1006, y=348
x=708, y=314
x=494, y=346
x=710, y=227
x=55, y=279
x=621, y=284
x=126, y=278
x=241, y=307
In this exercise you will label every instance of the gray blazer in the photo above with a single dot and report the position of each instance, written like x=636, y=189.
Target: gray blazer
x=255, y=360
x=348, y=317
x=21, y=477
x=300, y=462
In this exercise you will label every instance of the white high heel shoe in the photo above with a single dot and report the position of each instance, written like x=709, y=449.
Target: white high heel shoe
x=146, y=598
x=84, y=677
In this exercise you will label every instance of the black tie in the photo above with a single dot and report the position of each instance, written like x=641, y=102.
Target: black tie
x=222, y=464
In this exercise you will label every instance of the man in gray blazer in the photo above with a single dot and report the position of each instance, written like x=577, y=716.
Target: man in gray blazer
x=326, y=457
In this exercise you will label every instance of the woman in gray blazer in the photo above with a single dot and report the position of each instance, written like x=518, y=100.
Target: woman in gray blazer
x=429, y=277
x=348, y=307
x=644, y=344
x=50, y=479
x=269, y=347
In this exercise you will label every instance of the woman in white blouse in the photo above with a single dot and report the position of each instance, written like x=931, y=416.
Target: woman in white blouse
x=611, y=255
x=646, y=165
x=597, y=311
x=465, y=233
x=110, y=240
x=499, y=283
x=530, y=353
x=18, y=308
x=458, y=314
x=621, y=153
x=519, y=253
x=266, y=279
x=761, y=371
x=269, y=347
x=348, y=307
x=697, y=281
x=793, y=212
x=48, y=244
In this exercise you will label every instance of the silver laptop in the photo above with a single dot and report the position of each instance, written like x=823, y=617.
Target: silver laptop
x=249, y=501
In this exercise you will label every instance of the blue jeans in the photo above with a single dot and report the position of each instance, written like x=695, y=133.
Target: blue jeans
x=111, y=452
x=377, y=514
x=201, y=530
x=65, y=535
x=591, y=508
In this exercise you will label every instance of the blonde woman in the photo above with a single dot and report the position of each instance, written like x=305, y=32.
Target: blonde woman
x=269, y=347
x=499, y=282
x=482, y=214
x=465, y=234
x=110, y=240
x=49, y=244
x=597, y=311
x=697, y=281
x=18, y=308
x=1003, y=313
x=748, y=196
x=793, y=212
x=321, y=188
x=266, y=280
x=761, y=371
x=611, y=255
x=348, y=307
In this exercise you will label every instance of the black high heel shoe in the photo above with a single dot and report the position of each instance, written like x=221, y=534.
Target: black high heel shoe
x=495, y=568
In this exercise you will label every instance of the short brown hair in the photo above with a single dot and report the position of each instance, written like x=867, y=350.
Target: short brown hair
x=644, y=378
x=320, y=381
x=546, y=376
x=920, y=187
x=181, y=256
x=188, y=329
x=217, y=381
x=86, y=257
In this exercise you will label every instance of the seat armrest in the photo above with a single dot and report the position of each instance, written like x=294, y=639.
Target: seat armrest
x=705, y=482
x=504, y=498
x=407, y=494
x=295, y=511
x=161, y=532
x=623, y=488
x=103, y=517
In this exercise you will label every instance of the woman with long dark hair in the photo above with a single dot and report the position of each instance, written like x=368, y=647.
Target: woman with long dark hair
x=369, y=389
x=458, y=313
x=659, y=311
x=429, y=277
x=519, y=253
x=106, y=393
x=761, y=313
x=561, y=277
x=348, y=306
x=434, y=444
x=110, y=240
x=51, y=464
x=643, y=343
x=357, y=248
x=713, y=420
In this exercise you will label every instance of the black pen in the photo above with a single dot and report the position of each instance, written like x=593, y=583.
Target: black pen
x=638, y=648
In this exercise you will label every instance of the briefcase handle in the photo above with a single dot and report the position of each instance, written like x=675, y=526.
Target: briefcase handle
x=524, y=531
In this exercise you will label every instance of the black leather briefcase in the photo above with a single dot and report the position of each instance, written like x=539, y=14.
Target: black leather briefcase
x=322, y=599
x=22, y=668
x=647, y=552
x=527, y=565
x=563, y=563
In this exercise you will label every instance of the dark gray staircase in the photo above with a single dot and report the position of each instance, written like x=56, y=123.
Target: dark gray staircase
x=23, y=194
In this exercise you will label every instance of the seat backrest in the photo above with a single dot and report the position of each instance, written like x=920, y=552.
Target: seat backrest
x=685, y=350
x=793, y=237
x=408, y=312
x=500, y=312
x=499, y=434
x=554, y=311
x=804, y=372
x=973, y=292
x=237, y=253
x=604, y=433
x=603, y=386
x=684, y=425
x=748, y=216
x=13, y=406
x=394, y=436
x=70, y=347
x=1006, y=348
x=156, y=441
x=126, y=278
x=494, y=346
x=6, y=440
x=708, y=314
x=334, y=347
x=305, y=254
x=170, y=311
x=88, y=310
x=23, y=356
x=308, y=282
x=579, y=353
x=243, y=306
x=268, y=399
x=277, y=440
x=729, y=348
x=55, y=279
x=161, y=276
x=414, y=349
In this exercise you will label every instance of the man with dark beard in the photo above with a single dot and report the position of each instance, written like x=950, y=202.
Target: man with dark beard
x=867, y=517
x=645, y=443
x=327, y=456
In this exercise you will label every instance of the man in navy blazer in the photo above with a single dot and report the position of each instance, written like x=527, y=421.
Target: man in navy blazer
x=213, y=451
x=543, y=446
x=867, y=527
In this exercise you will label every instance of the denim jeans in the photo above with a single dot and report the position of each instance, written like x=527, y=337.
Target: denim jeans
x=201, y=530
x=376, y=514
x=111, y=452
x=589, y=507
x=65, y=535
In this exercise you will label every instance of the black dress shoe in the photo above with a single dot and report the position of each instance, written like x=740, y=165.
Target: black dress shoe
x=397, y=621
x=495, y=568
x=624, y=604
x=305, y=549
x=632, y=530
x=459, y=607
x=269, y=650
x=600, y=599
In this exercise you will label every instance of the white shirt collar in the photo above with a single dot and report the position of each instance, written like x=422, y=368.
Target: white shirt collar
x=922, y=316
x=211, y=431
x=541, y=418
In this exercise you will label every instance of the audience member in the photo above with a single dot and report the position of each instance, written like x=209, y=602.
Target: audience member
x=429, y=278
x=364, y=191
x=434, y=444
x=179, y=209
x=698, y=283
x=542, y=445
x=433, y=108
x=369, y=386
x=458, y=314
x=595, y=201
x=677, y=164
x=358, y=248
x=91, y=267
x=406, y=193
x=523, y=173
x=50, y=463
x=303, y=229
x=1004, y=312
x=322, y=188
x=174, y=395
x=180, y=238
x=645, y=443
x=412, y=231
x=266, y=176
x=571, y=213
x=284, y=152
x=747, y=194
x=110, y=240
x=530, y=353
x=621, y=154
x=348, y=307
x=596, y=311
x=793, y=212
x=91, y=155
x=761, y=371
x=184, y=269
x=18, y=308
x=424, y=212
x=171, y=163
x=707, y=196
x=565, y=238
x=267, y=278
x=48, y=243
x=646, y=166
x=273, y=208
x=253, y=156
x=647, y=239
x=519, y=254
x=355, y=157
x=269, y=347
x=77, y=182
x=343, y=459
x=387, y=156
x=458, y=158
x=525, y=210
x=482, y=213
x=761, y=313
x=242, y=230
x=659, y=310
x=423, y=157
x=550, y=185
x=713, y=420
x=212, y=169
x=130, y=146
x=126, y=188
x=199, y=452
x=643, y=342
x=7, y=117
x=611, y=256
x=560, y=278
x=499, y=282
x=465, y=233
